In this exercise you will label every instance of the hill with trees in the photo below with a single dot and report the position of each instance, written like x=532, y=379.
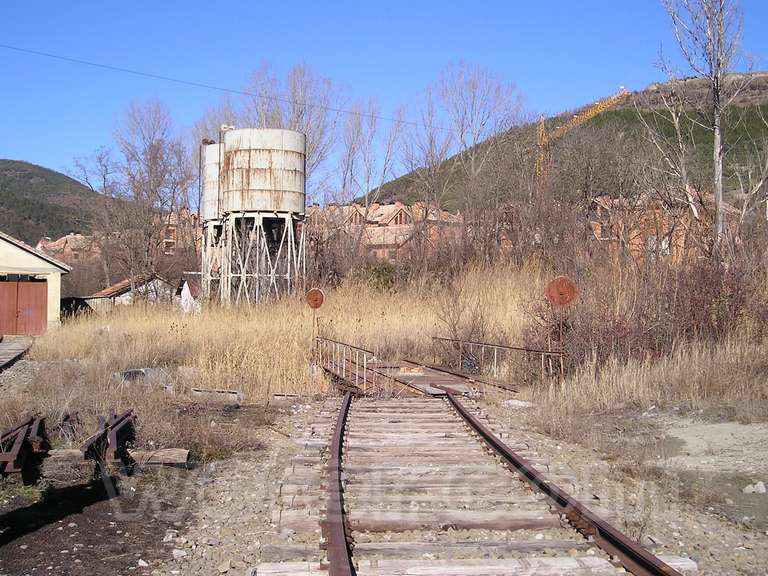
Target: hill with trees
x=743, y=129
x=36, y=202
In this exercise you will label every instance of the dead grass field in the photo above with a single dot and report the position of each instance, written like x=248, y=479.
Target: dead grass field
x=724, y=380
x=264, y=350
x=257, y=350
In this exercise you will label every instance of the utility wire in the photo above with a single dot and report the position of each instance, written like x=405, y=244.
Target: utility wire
x=214, y=87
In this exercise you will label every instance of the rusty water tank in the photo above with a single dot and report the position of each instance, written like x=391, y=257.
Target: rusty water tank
x=211, y=157
x=262, y=170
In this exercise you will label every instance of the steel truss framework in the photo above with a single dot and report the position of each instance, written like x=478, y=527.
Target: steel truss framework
x=253, y=256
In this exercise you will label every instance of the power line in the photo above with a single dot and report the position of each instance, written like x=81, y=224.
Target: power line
x=213, y=87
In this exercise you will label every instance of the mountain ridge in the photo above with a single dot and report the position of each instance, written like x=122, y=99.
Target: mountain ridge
x=745, y=115
x=36, y=202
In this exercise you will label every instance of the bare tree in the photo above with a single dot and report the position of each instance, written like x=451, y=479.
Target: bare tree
x=480, y=109
x=209, y=126
x=426, y=147
x=144, y=185
x=368, y=156
x=99, y=172
x=671, y=134
x=305, y=102
x=708, y=33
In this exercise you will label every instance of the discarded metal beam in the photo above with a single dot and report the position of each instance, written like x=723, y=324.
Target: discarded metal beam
x=22, y=447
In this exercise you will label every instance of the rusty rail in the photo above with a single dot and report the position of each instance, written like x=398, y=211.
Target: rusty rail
x=632, y=556
x=22, y=447
x=469, y=378
x=484, y=353
x=334, y=526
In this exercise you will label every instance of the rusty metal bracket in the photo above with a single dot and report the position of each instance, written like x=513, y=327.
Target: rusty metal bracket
x=109, y=443
x=632, y=556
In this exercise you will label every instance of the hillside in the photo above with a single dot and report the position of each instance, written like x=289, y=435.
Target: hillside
x=37, y=202
x=741, y=125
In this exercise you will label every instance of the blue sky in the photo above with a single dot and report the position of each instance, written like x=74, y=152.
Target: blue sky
x=560, y=54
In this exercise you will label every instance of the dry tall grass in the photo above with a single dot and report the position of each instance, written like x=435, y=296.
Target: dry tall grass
x=715, y=380
x=257, y=350
x=263, y=350
x=266, y=349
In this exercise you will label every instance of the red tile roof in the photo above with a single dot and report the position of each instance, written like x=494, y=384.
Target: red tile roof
x=124, y=286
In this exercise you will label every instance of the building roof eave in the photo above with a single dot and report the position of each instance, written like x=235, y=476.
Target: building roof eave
x=42, y=255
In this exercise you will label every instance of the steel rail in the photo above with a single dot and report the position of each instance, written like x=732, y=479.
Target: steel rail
x=632, y=556
x=469, y=377
x=334, y=527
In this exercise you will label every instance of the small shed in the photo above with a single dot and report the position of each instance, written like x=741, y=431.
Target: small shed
x=151, y=288
x=30, y=288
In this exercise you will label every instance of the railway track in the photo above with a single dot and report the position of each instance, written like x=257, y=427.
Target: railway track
x=427, y=485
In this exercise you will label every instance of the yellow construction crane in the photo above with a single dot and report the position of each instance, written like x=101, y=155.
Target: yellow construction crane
x=544, y=139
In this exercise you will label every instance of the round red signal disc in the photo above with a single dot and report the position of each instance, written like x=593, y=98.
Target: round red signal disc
x=315, y=298
x=561, y=291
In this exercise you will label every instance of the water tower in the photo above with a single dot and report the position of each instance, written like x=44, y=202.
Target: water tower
x=254, y=190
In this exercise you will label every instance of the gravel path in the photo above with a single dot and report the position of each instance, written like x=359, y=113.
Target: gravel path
x=233, y=519
x=232, y=516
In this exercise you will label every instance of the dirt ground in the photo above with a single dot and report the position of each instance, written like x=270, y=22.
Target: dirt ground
x=80, y=529
x=228, y=528
x=638, y=475
x=215, y=519
x=725, y=461
x=167, y=521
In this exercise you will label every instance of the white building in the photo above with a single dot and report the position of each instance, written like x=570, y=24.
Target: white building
x=30, y=288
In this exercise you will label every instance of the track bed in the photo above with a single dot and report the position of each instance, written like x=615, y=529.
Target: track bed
x=422, y=493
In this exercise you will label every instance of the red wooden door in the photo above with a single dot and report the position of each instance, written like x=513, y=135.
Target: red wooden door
x=8, y=307
x=32, y=316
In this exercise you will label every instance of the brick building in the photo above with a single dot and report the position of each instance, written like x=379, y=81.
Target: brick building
x=386, y=231
x=647, y=227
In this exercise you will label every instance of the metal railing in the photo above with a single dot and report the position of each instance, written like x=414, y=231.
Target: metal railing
x=345, y=361
x=475, y=357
